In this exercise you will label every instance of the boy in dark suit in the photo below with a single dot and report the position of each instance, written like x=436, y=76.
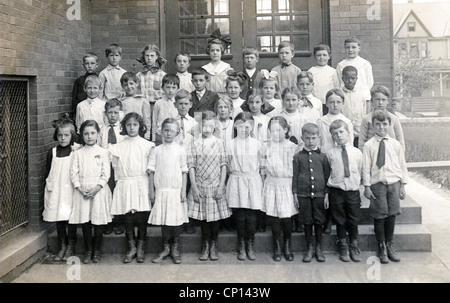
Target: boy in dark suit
x=202, y=98
x=252, y=75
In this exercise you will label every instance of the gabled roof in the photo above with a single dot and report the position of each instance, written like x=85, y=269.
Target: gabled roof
x=434, y=17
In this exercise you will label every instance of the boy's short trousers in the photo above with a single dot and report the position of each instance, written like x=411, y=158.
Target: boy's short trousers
x=345, y=206
x=311, y=210
x=387, y=202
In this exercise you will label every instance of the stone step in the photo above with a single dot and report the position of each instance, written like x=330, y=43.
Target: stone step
x=407, y=237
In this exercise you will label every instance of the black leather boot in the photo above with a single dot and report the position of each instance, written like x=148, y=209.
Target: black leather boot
x=382, y=252
x=250, y=249
x=70, y=251
x=288, y=255
x=354, y=251
x=391, y=253
x=241, y=250
x=205, y=251
x=62, y=251
x=213, y=251
x=131, y=252
x=277, y=250
x=163, y=254
x=140, y=253
x=343, y=250
x=175, y=250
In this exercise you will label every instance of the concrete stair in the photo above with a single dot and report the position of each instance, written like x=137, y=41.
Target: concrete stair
x=409, y=235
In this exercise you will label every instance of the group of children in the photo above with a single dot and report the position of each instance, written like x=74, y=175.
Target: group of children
x=287, y=146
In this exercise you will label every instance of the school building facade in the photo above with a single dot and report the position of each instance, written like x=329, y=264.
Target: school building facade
x=42, y=44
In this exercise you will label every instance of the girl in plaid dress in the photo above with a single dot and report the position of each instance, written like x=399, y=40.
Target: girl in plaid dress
x=207, y=171
x=277, y=172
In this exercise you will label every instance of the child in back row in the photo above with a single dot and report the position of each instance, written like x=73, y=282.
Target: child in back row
x=287, y=71
x=93, y=108
x=182, y=63
x=252, y=75
x=110, y=76
x=90, y=64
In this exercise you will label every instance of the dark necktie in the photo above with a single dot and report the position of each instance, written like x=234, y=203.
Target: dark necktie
x=345, y=160
x=111, y=135
x=182, y=126
x=381, y=154
x=306, y=102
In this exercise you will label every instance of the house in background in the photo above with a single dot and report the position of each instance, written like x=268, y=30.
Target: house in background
x=422, y=30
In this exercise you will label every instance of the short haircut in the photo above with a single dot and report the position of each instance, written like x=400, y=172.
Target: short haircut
x=113, y=48
x=380, y=115
x=352, y=39
x=183, y=94
x=310, y=128
x=250, y=50
x=69, y=125
x=338, y=123
x=93, y=79
x=129, y=76
x=349, y=68
x=337, y=92
x=200, y=71
x=142, y=128
x=90, y=55
x=88, y=123
x=208, y=115
x=170, y=79
x=170, y=121
x=380, y=89
x=282, y=122
x=321, y=47
x=305, y=74
x=227, y=101
x=291, y=90
x=284, y=44
x=114, y=102
x=182, y=54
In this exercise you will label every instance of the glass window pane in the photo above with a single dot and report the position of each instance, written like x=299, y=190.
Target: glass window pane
x=300, y=23
x=301, y=42
x=201, y=45
x=221, y=7
x=264, y=24
x=186, y=7
x=282, y=23
x=265, y=44
x=263, y=6
x=187, y=27
x=223, y=24
x=188, y=46
x=204, y=26
x=283, y=6
x=204, y=7
x=299, y=6
x=278, y=40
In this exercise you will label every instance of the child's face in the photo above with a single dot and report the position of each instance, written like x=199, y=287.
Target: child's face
x=113, y=114
x=310, y=140
x=182, y=63
x=255, y=105
x=169, y=132
x=243, y=129
x=340, y=135
x=277, y=132
x=234, y=89
x=381, y=127
x=305, y=86
x=90, y=65
x=250, y=61
x=183, y=105
x=199, y=82
x=335, y=104
x=150, y=58
x=215, y=52
x=223, y=110
x=352, y=49
x=130, y=87
x=380, y=101
x=349, y=78
x=114, y=58
x=170, y=90
x=291, y=102
x=64, y=136
x=132, y=127
x=208, y=127
x=322, y=57
x=92, y=89
x=269, y=88
x=90, y=135
x=285, y=54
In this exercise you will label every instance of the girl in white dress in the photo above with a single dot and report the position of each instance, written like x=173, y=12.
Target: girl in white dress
x=277, y=173
x=129, y=160
x=58, y=190
x=89, y=173
x=244, y=187
x=234, y=85
x=167, y=178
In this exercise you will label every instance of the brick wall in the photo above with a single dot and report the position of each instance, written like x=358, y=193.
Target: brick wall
x=131, y=24
x=349, y=17
x=38, y=41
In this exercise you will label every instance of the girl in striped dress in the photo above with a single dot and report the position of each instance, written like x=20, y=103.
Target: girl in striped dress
x=277, y=172
x=207, y=171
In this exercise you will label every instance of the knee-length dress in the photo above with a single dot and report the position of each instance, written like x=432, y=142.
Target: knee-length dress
x=58, y=190
x=244, y=187
x=168, y=162
x=130, y=159
x=90, y=167
x=278, y=199
x=207, y=157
